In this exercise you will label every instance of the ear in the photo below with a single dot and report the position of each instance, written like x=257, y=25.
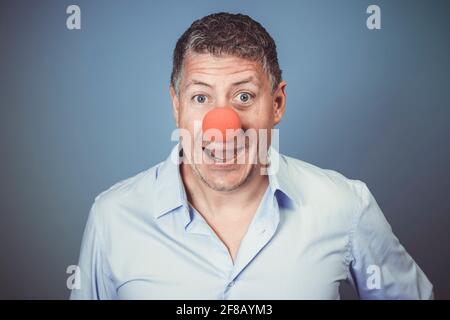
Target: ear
x=279, y=102
x=175, y=105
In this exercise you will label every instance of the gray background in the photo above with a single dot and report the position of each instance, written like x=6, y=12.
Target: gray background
x=81, y=110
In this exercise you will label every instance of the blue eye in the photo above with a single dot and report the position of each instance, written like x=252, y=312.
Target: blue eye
x=200, y=98
x=244, y=97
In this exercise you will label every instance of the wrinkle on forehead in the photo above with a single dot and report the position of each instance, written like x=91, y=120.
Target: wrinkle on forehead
x=207, y=64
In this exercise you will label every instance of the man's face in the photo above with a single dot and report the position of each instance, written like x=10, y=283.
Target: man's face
x=209, y=82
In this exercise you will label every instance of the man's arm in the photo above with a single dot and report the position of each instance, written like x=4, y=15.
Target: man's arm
x=95, y=283
x=379, y=266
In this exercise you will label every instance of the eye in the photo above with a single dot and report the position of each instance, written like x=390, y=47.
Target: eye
x=200, y=98
x=244, y=97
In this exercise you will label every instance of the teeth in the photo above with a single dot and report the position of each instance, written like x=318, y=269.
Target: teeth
x=212, y=155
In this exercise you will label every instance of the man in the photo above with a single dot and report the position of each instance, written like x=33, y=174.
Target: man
x=220, y=229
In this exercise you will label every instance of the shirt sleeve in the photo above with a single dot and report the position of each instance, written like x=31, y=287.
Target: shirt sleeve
x=95, y=283
x=379, y=266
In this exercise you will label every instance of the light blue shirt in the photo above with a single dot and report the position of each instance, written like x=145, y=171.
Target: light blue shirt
x=314, y=229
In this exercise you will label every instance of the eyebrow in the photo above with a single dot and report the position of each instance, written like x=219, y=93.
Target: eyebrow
x=235, y=84
x=246, y=80
x=198, y=83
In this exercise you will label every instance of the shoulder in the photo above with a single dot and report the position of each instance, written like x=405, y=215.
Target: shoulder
x=324, y=187
x=133, y=194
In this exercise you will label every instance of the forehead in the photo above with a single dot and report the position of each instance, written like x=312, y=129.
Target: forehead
x=207, y=66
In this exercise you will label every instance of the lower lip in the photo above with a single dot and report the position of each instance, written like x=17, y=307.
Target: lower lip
x=224, y=165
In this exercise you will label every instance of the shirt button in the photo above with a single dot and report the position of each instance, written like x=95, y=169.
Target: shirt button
x=231, y=284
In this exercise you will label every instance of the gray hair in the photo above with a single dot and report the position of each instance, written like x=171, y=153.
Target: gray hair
x=227, y=34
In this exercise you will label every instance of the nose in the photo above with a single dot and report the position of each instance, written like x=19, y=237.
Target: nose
x=222, y=119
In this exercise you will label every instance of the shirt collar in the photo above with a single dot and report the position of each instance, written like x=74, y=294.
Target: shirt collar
x=171, y=194
x=280, y=178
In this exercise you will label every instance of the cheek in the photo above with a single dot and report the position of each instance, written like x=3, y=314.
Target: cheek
x=188, y=114
x=190, y=119
x=260, y=117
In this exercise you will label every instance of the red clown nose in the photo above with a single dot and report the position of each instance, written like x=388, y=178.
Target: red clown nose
x=222, y=119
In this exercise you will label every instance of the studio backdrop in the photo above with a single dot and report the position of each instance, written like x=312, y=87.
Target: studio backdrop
x=85, y=104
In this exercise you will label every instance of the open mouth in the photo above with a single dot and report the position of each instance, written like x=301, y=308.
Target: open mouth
x=223, y=155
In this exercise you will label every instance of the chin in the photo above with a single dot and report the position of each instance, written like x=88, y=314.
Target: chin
x=222, y=179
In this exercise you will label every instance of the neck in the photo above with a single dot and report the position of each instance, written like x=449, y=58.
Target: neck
x=224, y=204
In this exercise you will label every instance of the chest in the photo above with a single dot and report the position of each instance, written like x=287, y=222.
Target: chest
x=285, y=265
x=231, y=234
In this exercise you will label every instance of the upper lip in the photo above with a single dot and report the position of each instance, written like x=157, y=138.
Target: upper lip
x=211, y=148
x=222, y=146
